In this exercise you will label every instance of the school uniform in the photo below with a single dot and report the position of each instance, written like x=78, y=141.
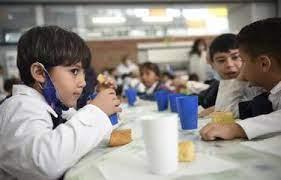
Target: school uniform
x=149, y=93
x=207, y=98
x=232, y=93
x=32, y=148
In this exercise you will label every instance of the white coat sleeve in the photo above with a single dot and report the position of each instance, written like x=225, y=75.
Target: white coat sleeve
x=48, y=153
x=261, y=125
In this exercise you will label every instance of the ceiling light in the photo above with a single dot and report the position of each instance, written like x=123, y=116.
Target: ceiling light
x=108, y=20
x=157, y=19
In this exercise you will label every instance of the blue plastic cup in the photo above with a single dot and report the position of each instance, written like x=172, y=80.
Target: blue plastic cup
x=131, y=95
x=161, y=98
x=188, y=111
x=113, y=118
x=172, y=100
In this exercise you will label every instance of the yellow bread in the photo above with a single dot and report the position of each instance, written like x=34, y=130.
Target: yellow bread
x=101, y=78
x=186, y=151
x=120, y=137
x=222, y=117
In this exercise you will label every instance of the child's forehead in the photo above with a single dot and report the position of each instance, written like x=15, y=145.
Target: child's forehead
x=78, y=64
x=227, y=53
x=146, y=70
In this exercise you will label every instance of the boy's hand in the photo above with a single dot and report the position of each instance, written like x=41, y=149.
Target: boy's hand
x=105, y=82
x=206, y=112
x=224, y=131
x=107, y=101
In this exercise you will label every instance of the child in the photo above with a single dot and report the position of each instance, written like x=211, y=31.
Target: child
x=259, y=47
x=225, y=60
x=8, y=86
x=34, y=141
x=150, y=75
x=168, y=78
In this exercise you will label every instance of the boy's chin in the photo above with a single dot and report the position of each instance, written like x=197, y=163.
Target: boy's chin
x=70, y=104
x=231, y=76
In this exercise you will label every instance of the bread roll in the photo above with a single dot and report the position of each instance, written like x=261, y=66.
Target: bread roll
x=120, y=137
x=186, y=151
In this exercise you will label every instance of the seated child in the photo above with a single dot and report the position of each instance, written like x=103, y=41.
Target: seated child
x=167, y=78
x=8, y=86
x=225, y=60
x=150, y=75
x=36, y=142
x=255, y=95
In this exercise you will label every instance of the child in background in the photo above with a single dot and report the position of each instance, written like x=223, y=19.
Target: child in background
x=8, y=86
x=167, y=79
x=255, y=95
x=197, y=63
x=36, y=142
x=225, y=60
x=150, y=75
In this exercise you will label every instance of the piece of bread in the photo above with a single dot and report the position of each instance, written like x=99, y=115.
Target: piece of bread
x=120, y=137
x=222, y=117
x=101, y=78
x=186, y=151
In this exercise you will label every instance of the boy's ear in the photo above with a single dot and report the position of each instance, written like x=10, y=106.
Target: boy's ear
x=37, y=72
x=265, y=63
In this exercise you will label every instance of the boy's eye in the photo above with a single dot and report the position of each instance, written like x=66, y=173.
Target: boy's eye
x=235, y=58
x=220, y=61
x=75, y=71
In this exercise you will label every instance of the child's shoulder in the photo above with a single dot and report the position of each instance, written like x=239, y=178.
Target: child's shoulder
x=23, y=103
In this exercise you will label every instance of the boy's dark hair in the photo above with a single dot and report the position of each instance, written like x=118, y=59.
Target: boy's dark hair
x=150, y=66
x=262, y=37
x=51, y=46
x=223, y=43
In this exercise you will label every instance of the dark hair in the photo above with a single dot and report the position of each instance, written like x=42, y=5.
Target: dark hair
x=124, y=58
x=51, y=46
x=8, y=84
x=195, y=46
x=223, y=43
x=150, y=66
x=262, y=37
x=169, y=75
x=193, y=77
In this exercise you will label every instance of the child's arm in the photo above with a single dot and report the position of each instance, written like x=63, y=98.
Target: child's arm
x=206, y=112
x=212, y=131
x=45, y=152
x=262, y=124
x=249, y=128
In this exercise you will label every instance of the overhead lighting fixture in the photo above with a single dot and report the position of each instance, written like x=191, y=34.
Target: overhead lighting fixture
x=141, y=12
x=195, y=13
x=108, y=20
x=157, y=19
x=173, y=12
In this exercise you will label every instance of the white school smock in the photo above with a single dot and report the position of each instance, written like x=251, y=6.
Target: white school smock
x=29, y=146
x=231, y=92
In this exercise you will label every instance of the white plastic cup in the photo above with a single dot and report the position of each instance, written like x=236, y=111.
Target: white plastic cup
x=161, y=144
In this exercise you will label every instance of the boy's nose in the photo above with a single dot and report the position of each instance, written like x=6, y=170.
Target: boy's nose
x=82, y=81
x=229, y=62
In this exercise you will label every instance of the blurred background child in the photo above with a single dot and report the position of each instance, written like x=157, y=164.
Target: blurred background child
x=151, y=78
